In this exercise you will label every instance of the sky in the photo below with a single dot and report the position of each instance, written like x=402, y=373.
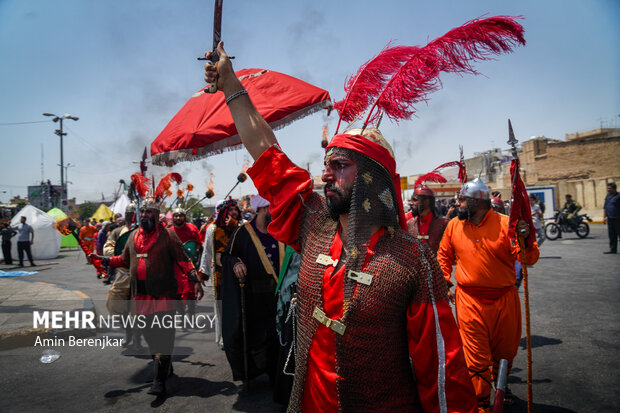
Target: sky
x=126, y=68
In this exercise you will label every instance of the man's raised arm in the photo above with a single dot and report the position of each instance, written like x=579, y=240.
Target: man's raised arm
x=256, y=134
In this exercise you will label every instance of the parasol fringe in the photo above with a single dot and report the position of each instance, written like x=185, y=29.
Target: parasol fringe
x=231, y=143
x=302, y=113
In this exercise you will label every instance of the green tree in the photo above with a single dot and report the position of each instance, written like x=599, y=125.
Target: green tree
x=86, y=210
x=197, y=210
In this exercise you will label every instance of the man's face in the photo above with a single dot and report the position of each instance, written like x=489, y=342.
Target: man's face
x=178, y=220
x=233, y=212
x=611, y=190
x=148, y=219
x=466, y=207
x=339, y=177
x=264, y=211
x=23, y=220
x=569, y=198
x=419, y=204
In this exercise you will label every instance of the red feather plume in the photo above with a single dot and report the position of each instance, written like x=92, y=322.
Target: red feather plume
x=141, y=183
x=462, y=176
x=369, y=80
x=430, y=177
x=164, y=185
x=454, y=52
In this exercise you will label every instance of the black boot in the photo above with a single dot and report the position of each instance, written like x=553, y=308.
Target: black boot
x=161, y=367
x=137, y=342
x=128, y=337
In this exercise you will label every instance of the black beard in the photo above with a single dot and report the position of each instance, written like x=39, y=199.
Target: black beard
x=178, y=223
x=414, y=211
x=267, y=219
x=337, y=205
x=147, y=223
x=463, y=214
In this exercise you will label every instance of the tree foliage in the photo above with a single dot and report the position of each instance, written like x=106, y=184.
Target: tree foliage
x=86, y=210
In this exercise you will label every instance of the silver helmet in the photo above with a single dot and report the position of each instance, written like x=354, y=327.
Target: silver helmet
x=475, y=189
x=179, y=211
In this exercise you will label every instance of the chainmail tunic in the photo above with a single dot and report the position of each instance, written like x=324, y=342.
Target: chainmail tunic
x=372, y=364
x=372, y=358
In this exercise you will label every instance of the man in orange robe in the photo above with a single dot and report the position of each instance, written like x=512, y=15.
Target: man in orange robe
x=488, y=310
x=87, y=236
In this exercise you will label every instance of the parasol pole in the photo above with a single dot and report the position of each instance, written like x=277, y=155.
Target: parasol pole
x=512, y=141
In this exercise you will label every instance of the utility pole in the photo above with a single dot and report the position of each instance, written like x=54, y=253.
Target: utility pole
x=67, y=166
x=59, y=132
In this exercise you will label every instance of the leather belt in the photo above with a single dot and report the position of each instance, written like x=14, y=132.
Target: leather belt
x=335, y=325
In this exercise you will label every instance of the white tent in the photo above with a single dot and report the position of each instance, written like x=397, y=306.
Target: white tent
x=46, y=239
x=118, y=207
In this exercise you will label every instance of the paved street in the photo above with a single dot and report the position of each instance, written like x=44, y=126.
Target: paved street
x=574, y=292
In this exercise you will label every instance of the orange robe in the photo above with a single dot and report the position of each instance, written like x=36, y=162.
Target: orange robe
x=87, y=236
x=488, y=309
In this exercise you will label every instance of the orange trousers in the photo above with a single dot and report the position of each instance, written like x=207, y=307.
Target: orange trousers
x=490, y=331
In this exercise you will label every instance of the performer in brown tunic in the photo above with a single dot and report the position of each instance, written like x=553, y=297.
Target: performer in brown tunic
x=153, y=254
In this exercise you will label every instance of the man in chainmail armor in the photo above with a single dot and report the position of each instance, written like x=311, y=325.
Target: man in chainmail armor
x=375, y=330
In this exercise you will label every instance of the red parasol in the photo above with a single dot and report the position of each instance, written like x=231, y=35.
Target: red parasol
x=204, y=126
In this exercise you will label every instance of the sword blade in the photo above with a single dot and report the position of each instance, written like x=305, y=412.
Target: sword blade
x=217, y=28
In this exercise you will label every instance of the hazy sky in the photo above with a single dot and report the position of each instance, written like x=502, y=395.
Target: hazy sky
x=126, y=68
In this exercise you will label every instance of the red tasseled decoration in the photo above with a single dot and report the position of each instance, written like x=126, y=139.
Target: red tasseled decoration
x=164, y=184
x=430, y=177
x=462, y=176
x=454, y=52
x=369, y=80
x=141, y=183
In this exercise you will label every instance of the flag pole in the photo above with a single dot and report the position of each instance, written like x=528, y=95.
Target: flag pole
x=526, y=292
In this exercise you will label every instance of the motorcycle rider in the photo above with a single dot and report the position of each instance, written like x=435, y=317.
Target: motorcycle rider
x=571, y=208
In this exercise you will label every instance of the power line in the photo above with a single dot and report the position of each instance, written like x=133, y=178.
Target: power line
x=23, y=123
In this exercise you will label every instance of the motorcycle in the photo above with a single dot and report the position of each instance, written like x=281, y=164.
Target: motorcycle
x=560, y=223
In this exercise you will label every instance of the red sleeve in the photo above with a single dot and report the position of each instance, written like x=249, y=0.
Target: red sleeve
x=283, y=184
x=442, y=376
x=117, y=261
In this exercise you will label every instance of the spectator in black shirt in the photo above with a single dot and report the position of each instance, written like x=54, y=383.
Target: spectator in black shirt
x=7, y=233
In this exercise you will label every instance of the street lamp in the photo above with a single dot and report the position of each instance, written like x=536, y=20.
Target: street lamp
x=59, y=132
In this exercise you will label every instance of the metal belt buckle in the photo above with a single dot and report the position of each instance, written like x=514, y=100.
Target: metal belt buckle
x=142, y=255
x=335, y=325
x=422, y=236
x=326, y=260
x=360, y=277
